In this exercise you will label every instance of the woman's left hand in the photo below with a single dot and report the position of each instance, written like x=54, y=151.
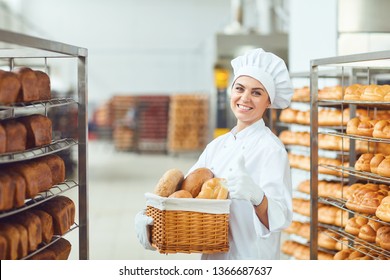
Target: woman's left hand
x=241, y=185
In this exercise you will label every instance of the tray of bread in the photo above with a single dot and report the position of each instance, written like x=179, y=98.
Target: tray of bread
x=191, y=214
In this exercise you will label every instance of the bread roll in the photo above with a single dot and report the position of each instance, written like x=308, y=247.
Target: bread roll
x=382, y=129
x=353, y=92
x=363, y=163
x=194, y=181
x=384, y=167
x=368, y=231
x=383, y=237
x=375, y=161
x=181, y=194
x=169, y=182
x=214, y=188
x=354, y=224
x=374, y=93
x=383, y=210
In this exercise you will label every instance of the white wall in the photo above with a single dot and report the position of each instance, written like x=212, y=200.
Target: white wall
x=313, y=32
x=148, y=46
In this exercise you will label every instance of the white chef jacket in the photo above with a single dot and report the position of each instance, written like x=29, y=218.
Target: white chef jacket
x=267, y=163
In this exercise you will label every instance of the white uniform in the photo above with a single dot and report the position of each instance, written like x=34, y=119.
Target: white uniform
x=267, y=163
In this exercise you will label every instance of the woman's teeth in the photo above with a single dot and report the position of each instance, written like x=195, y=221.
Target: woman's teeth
x=243, y=107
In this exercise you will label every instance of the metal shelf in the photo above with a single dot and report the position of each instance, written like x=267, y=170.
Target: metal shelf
x=356, y=240
x=54, y=240
x=55, y=102
x=352, y=66
x=54, y=147
x=21, y=50
x=359, y=174
x=357, y=137
x=42, y=197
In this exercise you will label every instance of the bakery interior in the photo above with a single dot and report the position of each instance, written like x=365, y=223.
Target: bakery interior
x=147, y=87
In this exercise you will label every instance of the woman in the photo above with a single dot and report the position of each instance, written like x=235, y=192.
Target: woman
x=253, y=160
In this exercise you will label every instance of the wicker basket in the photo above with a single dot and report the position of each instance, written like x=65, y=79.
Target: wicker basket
x=177, y=230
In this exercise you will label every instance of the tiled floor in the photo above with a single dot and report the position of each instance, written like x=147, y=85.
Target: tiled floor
x=117, y=183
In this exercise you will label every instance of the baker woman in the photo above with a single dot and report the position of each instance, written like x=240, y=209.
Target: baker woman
x=253, y=160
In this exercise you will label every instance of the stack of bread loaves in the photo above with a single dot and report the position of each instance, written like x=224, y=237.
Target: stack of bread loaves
x=23, y=85
x=198, y=184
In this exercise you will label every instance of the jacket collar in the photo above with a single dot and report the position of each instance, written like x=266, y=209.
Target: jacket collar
x=253, y=128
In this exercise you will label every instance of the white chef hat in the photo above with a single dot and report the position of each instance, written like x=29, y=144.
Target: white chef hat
x=270, y=70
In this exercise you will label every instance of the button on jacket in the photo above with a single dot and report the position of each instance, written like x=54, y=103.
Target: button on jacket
x=267, y=163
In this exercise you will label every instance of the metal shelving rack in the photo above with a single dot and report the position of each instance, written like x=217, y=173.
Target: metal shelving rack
x=370, y=63
x=23, y=47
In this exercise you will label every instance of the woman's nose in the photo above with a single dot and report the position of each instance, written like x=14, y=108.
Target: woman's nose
x=245, y=96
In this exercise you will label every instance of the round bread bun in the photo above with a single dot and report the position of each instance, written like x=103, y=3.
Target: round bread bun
x=214, y=188
x=169, y=182
x=194, y=181
x=181, y=194
x=383, y=210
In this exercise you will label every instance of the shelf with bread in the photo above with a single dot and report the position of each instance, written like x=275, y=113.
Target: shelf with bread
x=363, y=189
x=36, y=210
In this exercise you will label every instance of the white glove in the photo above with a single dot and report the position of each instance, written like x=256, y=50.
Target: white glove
x=241, y=185
x=142, y=227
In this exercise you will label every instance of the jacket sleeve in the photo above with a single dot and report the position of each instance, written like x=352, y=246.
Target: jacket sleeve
x=275, y=180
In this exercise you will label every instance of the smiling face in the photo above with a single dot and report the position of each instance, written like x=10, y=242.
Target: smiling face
x=249, y=100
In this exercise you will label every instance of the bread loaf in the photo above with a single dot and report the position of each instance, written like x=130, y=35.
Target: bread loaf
x=36, y=175
x=7, y=192
x=23, y=240
x=169, y=182
x=16, y=135
x=43, y=85
x=3, y=247
x=3, y=140
x=47, y=224
x=33, y=225
x=12, y=236
x=29, y=84
x=57, y=167
x=20, y=188
x=46, y=254
x=181, y=194
x=39, y=130
x=62, y=209
x=194, y=181
x=214, y=188
x=61, y=249
x=9, y=87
